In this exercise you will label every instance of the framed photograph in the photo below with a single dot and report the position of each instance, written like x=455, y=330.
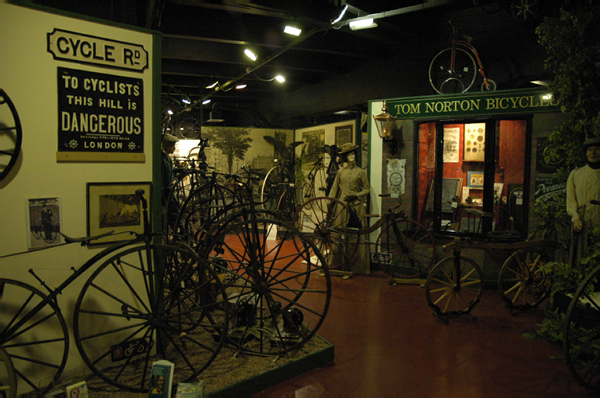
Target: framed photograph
x=114, y=207
x=43, y=222
x=475, y=179
x=343, y=134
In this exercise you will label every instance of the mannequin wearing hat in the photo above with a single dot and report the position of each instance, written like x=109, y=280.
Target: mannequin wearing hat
x=351, y=186
x=583, y=185
x=170, y=205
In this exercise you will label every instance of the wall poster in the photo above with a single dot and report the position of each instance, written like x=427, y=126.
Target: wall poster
x=451, y=144
x=100, y=117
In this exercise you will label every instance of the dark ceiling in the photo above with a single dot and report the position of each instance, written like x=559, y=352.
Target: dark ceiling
x=327, y=68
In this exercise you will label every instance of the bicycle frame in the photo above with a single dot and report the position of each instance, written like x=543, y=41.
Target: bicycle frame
x=470, y=47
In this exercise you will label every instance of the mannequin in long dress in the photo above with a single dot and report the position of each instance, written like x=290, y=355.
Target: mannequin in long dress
x=351, y=186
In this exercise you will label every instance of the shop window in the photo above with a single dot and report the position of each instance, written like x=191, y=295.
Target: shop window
x=471, y=176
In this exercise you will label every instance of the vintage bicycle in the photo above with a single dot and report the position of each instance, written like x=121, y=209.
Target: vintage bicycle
x=455, y=284
x=405, y=248
x=144, y=300
x=454, y=69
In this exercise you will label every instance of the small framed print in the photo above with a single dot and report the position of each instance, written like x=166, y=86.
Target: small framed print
x=475, y=179
x=115, y=207
x=474, y=149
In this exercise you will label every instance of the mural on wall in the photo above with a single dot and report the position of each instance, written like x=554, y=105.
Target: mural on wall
x=230, y=148
x=43, y=216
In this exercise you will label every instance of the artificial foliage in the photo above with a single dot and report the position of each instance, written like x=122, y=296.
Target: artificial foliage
x=571, y=41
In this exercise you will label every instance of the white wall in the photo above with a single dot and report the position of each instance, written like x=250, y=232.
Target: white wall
x=28, y=74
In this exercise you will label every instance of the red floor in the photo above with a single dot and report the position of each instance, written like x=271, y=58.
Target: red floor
x=387, y=344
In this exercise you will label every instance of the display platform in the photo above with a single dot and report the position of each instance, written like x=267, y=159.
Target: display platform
x=239, y=375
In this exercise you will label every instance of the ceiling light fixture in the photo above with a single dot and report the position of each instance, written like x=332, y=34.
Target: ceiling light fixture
x=365, y=23
x=339, y=18
x=291, y=30
x=250, y=54
x=279, y=78
x=206, y=101
x=212, y=85
x=241, y=86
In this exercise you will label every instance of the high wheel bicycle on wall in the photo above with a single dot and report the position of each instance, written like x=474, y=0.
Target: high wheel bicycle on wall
x=455, y=69
x=144, y=301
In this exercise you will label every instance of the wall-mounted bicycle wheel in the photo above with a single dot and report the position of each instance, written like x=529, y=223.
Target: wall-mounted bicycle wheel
x=446, y=80
x=145, y=304
x=11, y=135
x=581, y=337
x=405, y=249
x=322, y=221
x=278, y=291
x=38, y=346
x=454, y=289
x=521, y=282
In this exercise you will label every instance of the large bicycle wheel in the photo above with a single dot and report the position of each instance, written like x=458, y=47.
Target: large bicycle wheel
x=521, y=282
x=146, y=304
x=278, y=291
x=405, y=249
x=11, y=135
x=277, y=180
x=581, y=338
x=323, y=220
x=446, y=80
x=34, y=334
x=203, y=208
x=454, y=286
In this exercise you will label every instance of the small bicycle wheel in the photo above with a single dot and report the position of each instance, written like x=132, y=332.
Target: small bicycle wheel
x=581, y=337
x=322, y=220
x=446, y=80
x=278, y=291
x=521, y=282
x=8, y=377
x=277, y=180
x=454, y=289
x=149, y=303
x=405, y=249
x=34, y=333
x=491, y=86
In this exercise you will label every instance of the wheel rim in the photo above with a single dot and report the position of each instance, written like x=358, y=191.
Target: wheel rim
x=180, y=319
x=323, y=227
x=581, y=340
x=11, y=138
x=38, y=347
x=268, y=282
x=521, y=282
x=445, y=81
x=444, y=292
x=409, y=258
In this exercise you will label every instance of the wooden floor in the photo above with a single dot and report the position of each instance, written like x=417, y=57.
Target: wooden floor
x=388, y=344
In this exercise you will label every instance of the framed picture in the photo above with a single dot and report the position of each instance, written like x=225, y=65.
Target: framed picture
x=475, y=179
x=44, y=219
x=474, y=150
x=115, y=207
x=343, y=134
